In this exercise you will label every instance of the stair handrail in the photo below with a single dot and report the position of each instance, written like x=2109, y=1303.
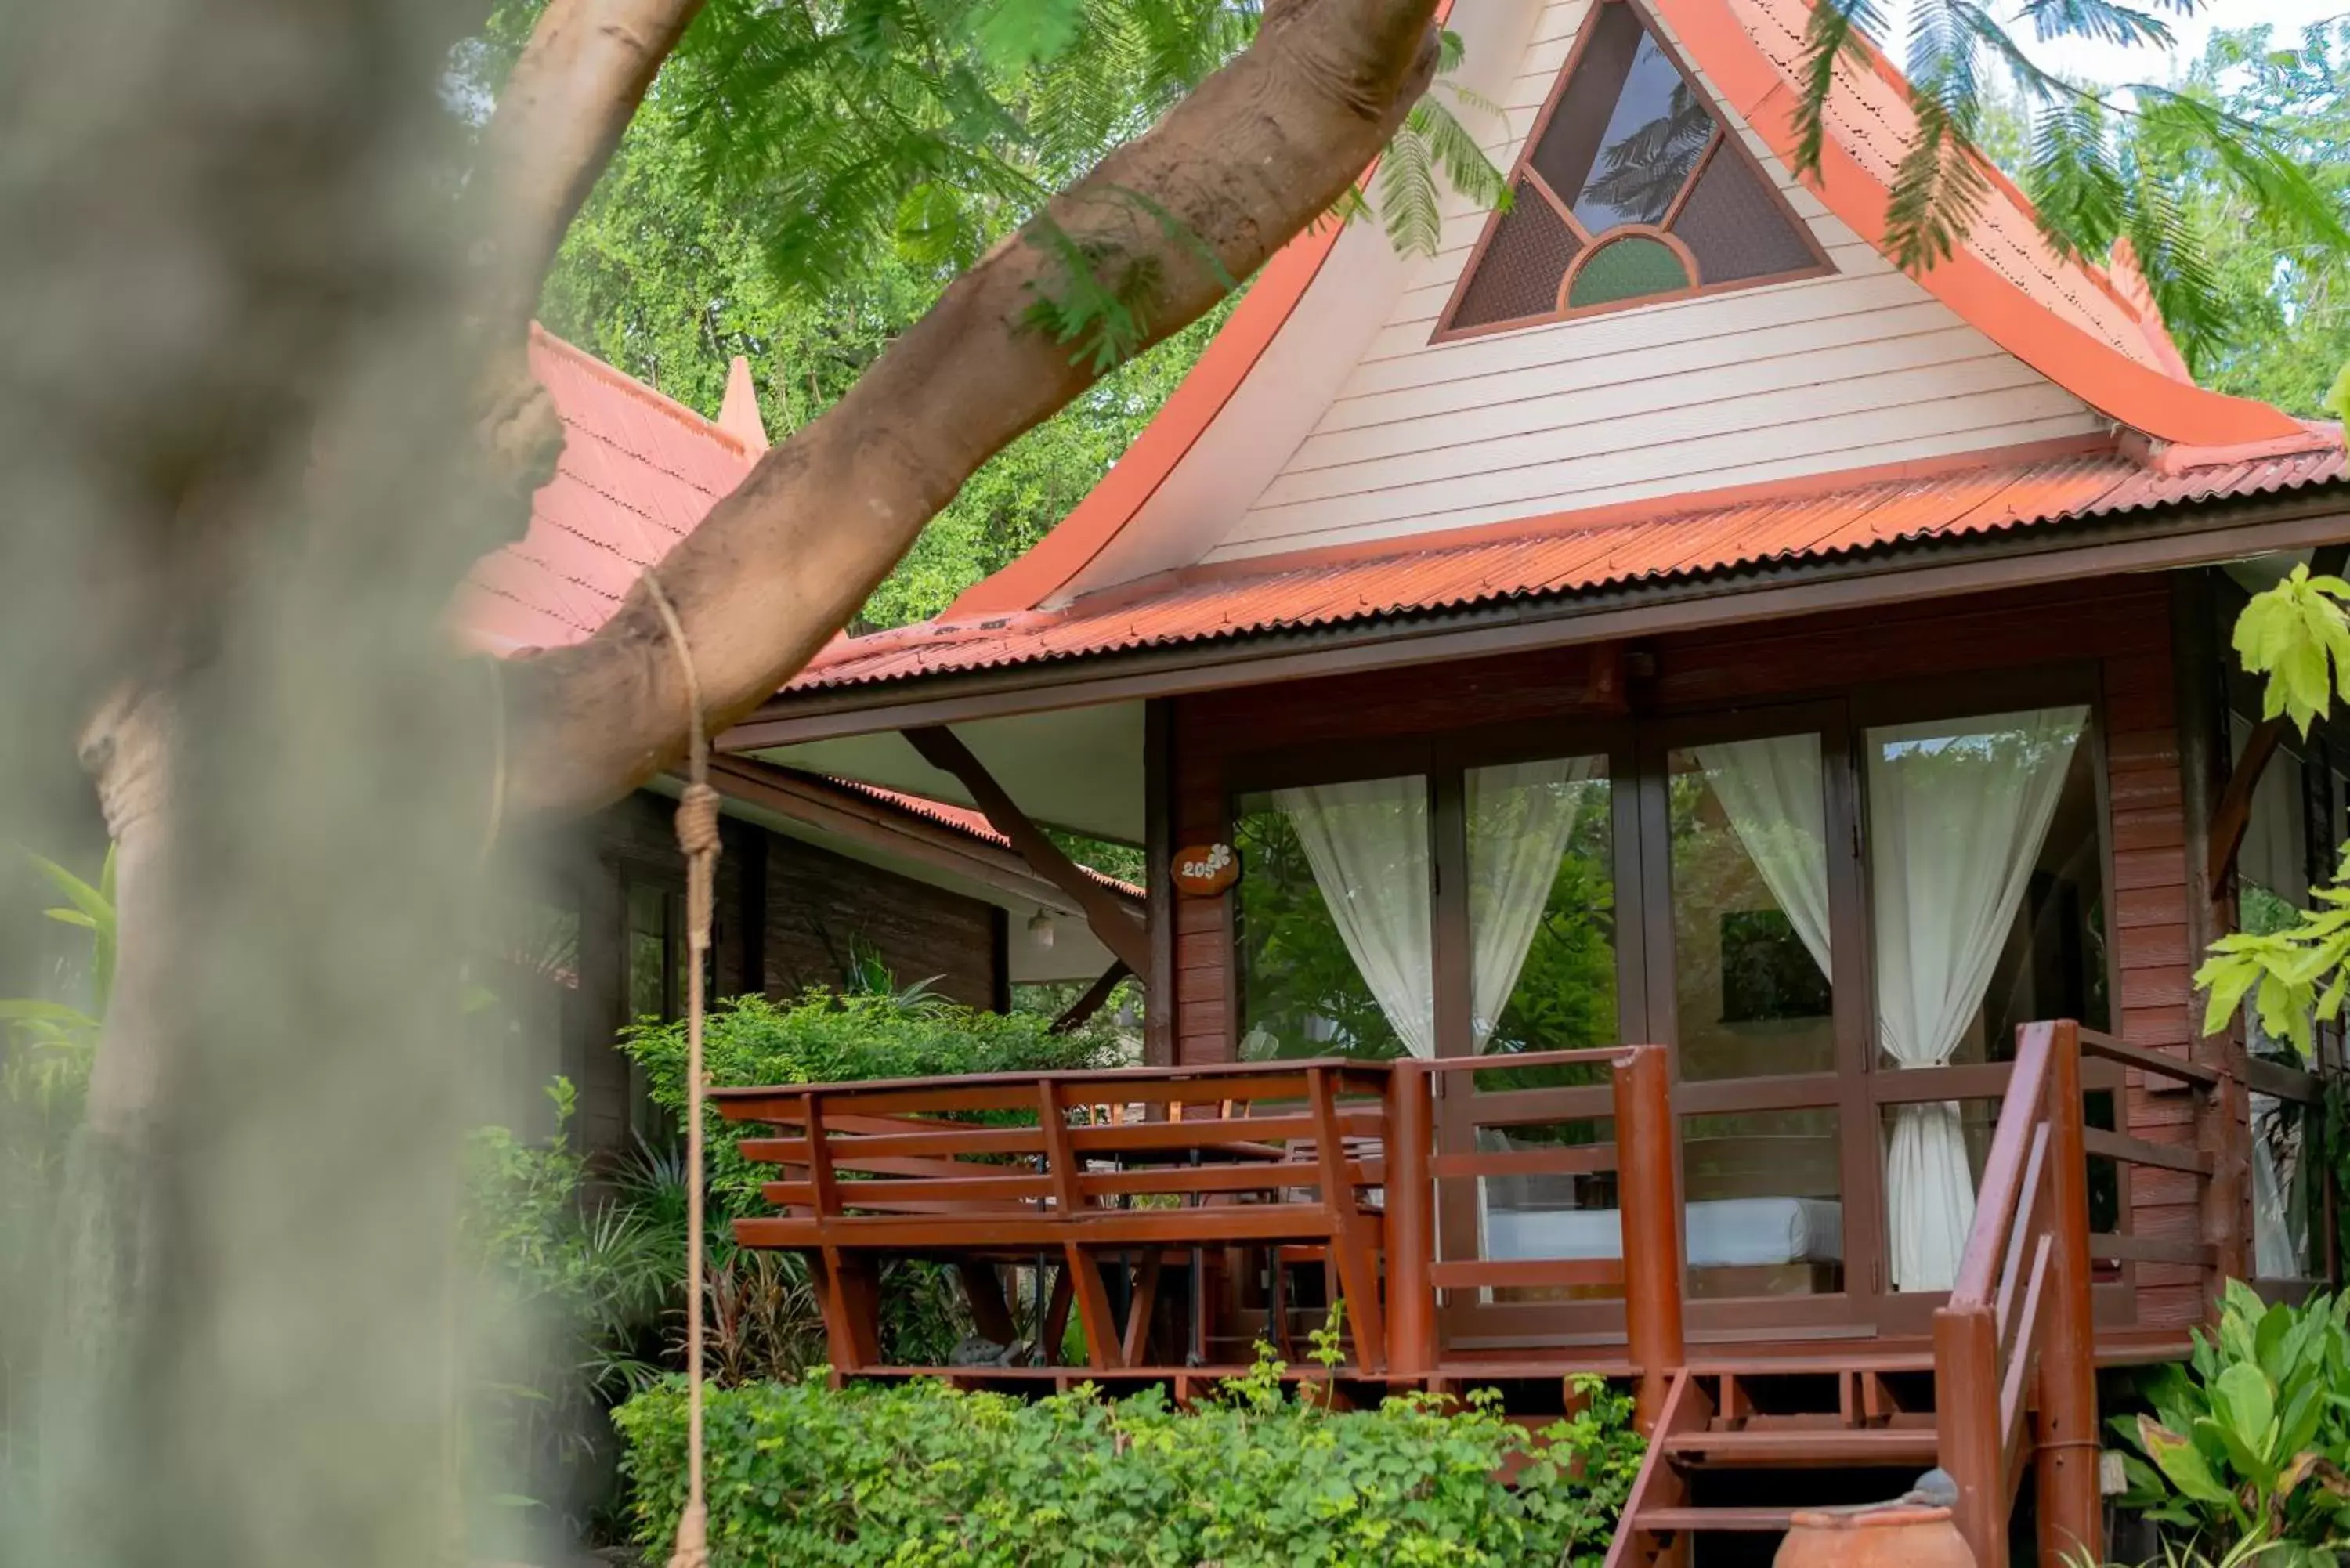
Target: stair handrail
x=2017, y=1333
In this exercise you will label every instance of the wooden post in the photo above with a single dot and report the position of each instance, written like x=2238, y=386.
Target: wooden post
x=1651, y=1223
x=2070, y=1508
x=2223, y=1127
x=1969, y=1442
x=1411, y=1235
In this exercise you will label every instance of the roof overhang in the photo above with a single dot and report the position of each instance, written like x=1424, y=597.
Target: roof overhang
x=2157, y=540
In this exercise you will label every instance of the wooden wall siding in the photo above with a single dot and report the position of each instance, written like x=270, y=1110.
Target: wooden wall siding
x=817, y=904
x=2122, y=626
x=1827, y=373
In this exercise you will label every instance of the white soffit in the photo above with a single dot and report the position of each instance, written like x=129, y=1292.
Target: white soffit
x=1299, y=373
x=1078, y=768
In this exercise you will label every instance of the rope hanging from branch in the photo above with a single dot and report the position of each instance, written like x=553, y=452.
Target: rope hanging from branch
x=697, y=837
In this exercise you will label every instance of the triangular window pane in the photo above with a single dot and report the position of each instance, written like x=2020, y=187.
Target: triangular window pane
x=1628, y=146
x=1629, y=131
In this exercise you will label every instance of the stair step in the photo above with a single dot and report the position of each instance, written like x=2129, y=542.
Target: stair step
x=1795, y=1446
x=1660, y=1521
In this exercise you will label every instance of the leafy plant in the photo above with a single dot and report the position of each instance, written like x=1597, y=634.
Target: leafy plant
x=2296, y=636
x=2246, y=1442
x=921, y=1474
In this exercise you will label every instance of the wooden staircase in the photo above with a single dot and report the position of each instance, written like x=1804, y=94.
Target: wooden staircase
x=1742, y=1444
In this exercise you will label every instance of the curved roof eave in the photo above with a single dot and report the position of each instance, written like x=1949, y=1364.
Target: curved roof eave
x=2131, y=394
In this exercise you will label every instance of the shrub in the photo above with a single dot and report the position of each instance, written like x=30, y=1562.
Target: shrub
x=919, y=1473
x=2247, y=1442
x=820, y=1037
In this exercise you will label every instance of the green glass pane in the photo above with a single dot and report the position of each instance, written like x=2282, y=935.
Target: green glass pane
x=1627, y=269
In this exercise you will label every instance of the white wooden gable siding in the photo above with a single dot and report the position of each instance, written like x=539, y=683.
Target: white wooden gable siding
x=1849, y=370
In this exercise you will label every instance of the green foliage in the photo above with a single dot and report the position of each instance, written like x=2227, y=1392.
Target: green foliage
x=2184, y=174
x=2296, y=638
x=2299, y=640
x=47, y=1042
x=567, y=1299
x=821, y=1038
x=668, y=283
x=921, y=1474
x=2245, y=1444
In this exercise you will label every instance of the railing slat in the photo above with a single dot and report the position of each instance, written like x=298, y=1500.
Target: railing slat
x=1490, y=1274
x=2139, y=1151
x=2160, y=1063
x=1562, y=1159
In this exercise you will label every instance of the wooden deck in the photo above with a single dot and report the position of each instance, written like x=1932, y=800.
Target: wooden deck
x=1181, y=1214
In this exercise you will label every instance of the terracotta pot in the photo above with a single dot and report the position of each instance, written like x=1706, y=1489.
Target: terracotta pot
x=1903, y=1535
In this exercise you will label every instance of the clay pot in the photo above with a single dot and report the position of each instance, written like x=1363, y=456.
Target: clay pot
x=1903, y=1536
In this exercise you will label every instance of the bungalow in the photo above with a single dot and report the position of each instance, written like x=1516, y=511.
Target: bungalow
x=1658, y=618
x=820, y=878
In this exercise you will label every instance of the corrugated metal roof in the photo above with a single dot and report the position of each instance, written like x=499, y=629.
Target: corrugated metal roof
x=639, y=472
x=962, y=819
x=1561, y=557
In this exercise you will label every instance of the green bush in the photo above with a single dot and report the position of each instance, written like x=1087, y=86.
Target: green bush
x=918, y=1474
x=2246, y=1444
x=823, y=1038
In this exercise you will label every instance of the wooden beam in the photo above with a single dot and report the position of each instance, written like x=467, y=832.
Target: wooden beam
x=2233, y=816
x=854, y=818
x=1073, y=1017
x=1159, y=885
x=1117, y=931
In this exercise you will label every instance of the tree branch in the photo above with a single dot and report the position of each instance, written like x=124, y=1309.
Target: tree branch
x=1260, y=150
x=579, y=82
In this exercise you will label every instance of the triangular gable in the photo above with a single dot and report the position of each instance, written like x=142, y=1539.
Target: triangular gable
x=2007, y=343
x=1631, y=189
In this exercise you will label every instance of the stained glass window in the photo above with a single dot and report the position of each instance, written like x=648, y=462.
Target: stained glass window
x=1628, y=191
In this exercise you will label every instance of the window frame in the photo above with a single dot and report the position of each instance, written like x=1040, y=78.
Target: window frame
x=1725, y=142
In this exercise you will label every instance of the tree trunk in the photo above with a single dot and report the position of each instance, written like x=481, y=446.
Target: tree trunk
x=1255, y=153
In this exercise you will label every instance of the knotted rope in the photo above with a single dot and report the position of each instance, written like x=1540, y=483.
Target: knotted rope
x=697, y=837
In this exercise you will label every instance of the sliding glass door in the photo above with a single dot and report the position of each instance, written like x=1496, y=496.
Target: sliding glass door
x=1834, y=914
x=1751, y=900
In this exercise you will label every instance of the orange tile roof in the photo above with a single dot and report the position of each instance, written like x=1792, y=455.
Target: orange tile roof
x=1678, y=537
x=639, y=472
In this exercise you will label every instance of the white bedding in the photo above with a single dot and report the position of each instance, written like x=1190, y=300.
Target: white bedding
x=1728, y=1232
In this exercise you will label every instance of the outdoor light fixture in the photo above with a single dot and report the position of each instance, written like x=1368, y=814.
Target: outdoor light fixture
x=1040, y=928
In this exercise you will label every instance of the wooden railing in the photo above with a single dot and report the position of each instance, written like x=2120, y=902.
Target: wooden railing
x=2018, y=1335
x=1421, y=1161
x=1002, y=1167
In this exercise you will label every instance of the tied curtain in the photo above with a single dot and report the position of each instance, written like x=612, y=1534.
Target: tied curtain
x=1955, y=822
x=1520, y=817
x=1770, y=790
x=1367, y=843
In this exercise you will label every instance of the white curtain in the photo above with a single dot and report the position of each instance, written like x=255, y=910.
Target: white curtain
x=1957, y=815
x=1367, y=842
x=2279, y=1215
x=1770, y=790
x=1520, y=817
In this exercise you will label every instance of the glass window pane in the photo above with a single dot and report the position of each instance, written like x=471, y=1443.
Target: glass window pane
x=1626, y=132
x=648, y=951
x=1333, y=922
x=1541, y=932
x=1976, y=929
x=1750, y=909
x=1630, y=268
x=1765, y=1203
x=1542, y=905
